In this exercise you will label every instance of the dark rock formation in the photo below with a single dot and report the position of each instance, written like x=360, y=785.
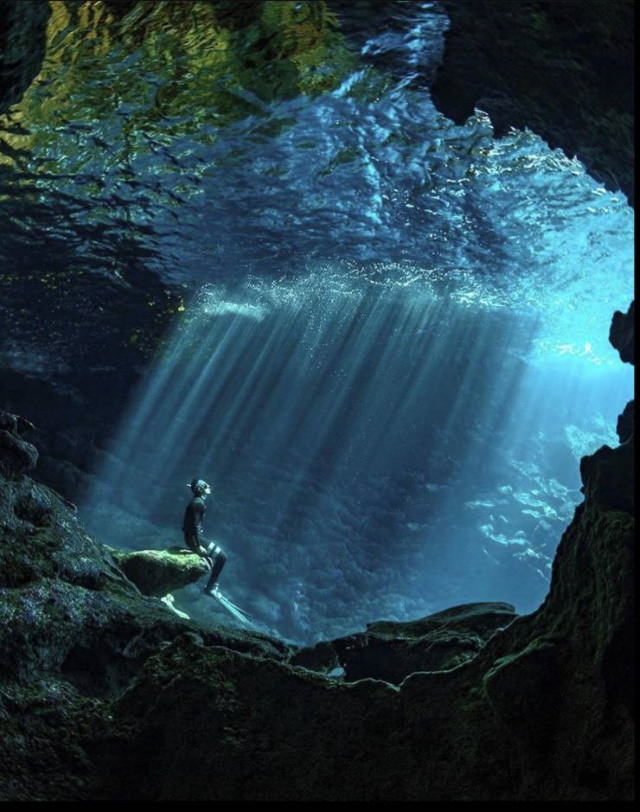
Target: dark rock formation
x=391, y=651
x=16, y=454
x=158, y=572
x=622, y=334
x=563, y=68
x=607, y=478
x=604, y=473
x=624, y=427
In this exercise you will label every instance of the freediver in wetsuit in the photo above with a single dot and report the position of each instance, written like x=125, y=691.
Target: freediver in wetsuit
x=192, y=529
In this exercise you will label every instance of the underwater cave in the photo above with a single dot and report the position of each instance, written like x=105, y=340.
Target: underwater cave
x=354, y=265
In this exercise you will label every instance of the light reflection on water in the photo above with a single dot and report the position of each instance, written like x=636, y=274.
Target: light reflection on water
x=168, y=146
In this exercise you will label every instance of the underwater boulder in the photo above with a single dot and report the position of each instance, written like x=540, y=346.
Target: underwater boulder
x=159, y=572
x=16, y=454
x=608, y=478
x=390, y=650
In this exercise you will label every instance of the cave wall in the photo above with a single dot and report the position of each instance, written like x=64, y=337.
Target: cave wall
x=562, y=68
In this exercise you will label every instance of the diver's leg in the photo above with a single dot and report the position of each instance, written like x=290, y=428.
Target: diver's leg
x=218, y=564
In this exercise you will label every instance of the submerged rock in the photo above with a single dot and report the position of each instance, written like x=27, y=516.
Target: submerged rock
x=607, y=477
x=391, y=650
x=625, y=426
x=622, y=334
x=158, y=572
x=16, y=455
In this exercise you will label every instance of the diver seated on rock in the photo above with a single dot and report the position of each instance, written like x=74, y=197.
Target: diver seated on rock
x=192, y=529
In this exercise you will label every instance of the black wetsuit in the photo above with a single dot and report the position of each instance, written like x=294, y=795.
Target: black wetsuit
x=192, y=523
x=192, y=529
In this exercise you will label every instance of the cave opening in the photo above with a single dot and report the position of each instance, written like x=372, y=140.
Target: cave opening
x=393, y=349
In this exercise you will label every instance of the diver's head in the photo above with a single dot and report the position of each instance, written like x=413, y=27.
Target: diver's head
x=199, y=487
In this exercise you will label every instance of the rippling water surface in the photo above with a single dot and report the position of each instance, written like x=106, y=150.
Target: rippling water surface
x=287, y=160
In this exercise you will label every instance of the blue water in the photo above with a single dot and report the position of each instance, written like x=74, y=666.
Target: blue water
x=394, y=348
x=374, y=450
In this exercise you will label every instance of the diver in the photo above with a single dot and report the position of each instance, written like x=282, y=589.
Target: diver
x=192, y=529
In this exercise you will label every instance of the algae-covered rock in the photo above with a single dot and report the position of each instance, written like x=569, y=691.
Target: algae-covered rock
x=158, y=572
x=523, y=689
x=261, y=730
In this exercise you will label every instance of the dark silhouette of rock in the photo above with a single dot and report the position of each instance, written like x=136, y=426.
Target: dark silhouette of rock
x=391, y=651
x=606, y=477
x=16, y=454
x=624, y=426
x=621, y=334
